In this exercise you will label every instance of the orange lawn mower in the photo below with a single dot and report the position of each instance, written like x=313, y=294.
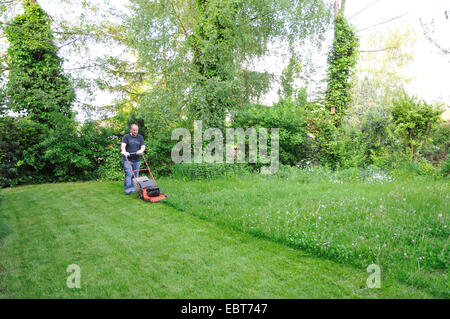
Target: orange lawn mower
x=148, y=189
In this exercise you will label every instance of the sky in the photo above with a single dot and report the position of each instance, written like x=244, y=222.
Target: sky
x=430, y=68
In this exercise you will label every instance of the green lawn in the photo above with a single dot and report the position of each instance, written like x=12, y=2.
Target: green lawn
x=184, y=248
x=401, y=225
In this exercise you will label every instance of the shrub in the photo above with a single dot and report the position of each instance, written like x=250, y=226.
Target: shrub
x=158, y=152
x=68, y=152
x=413, y=122
x=349, y=147
x=291, y=121
x=438, y=147
x=111, y=167
x=18, y=135
x=363, y=138
x=445, y=167
x=321, y=132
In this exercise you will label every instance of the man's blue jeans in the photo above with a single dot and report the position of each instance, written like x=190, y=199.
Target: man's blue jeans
x=128, y=184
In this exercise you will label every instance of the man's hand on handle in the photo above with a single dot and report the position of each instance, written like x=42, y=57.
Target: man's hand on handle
x=126, y=153
x=139, y=152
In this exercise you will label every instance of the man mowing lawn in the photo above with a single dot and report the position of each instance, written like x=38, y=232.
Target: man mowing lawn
x=132, y=143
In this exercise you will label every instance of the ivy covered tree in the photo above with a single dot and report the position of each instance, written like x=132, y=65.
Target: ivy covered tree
x=37, y=86
x=341, y=67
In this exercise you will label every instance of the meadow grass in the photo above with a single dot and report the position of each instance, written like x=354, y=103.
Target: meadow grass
x=128, y=248
x=400, y=225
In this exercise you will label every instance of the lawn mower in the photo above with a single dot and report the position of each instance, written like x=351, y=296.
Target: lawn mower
x=147, y=188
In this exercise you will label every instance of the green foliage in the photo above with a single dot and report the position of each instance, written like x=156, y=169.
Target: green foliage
x=111, y=167
x=322, y=131
x=36, y=84
x=389, y=136
x=437, y=148
x=341, y=60
x=212, y=43
x=18, y=135
x=196, y=53
x=47, y=145
x=287, y=79
x=361, y=140
x=291, y=121
x=413, y=121
x=32, y=153
x=158, y=152
x=67, y=152
x=445, y=167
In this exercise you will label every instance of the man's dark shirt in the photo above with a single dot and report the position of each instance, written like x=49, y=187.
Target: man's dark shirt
x=133, y=145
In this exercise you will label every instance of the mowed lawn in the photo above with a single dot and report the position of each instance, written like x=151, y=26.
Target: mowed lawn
x=127, y=248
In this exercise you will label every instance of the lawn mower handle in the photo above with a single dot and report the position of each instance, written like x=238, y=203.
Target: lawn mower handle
x=145, y=169
x=134, y=153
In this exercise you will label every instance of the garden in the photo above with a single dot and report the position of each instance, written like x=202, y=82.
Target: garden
x=362, y=166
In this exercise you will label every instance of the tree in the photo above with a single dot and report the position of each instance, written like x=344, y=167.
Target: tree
x=388, y=63
x=78, y=28
x=288, y=75
x=36, y=84
x=381, y=71
x=341, y=66
x=413, y=122
x=197, y=52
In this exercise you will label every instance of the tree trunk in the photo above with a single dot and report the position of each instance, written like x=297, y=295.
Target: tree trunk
x=343, y=6
x=336, y=7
